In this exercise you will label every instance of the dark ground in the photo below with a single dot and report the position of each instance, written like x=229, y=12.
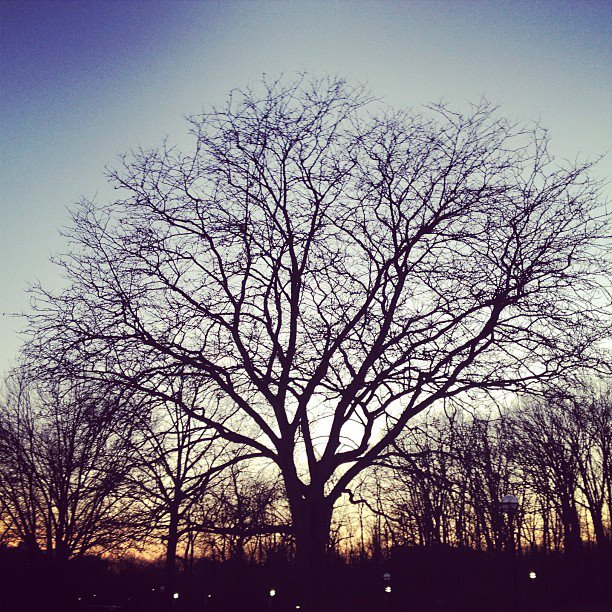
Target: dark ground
x=422, y=580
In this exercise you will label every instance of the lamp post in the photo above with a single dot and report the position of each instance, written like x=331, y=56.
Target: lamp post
x=271, y=596
x=531, y=588
x=387, y=588
x=509, y=506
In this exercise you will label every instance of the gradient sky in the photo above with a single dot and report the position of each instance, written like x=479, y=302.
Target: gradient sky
x=84, y=81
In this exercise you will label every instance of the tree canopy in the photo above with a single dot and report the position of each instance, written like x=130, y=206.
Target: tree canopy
x=326, y=269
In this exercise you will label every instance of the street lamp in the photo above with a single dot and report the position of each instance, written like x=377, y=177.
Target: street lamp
x=509, y=505
x=387, y=580
x=531, y=589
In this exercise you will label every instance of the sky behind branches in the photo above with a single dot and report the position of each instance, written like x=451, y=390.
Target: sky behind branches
x=82, y=82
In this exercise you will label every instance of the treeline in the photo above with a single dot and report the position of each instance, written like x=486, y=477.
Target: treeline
x=443, y=481
x=88, y=469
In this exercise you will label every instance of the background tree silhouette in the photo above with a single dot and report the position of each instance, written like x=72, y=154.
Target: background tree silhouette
x=329, y=269
x=63, y=467
x=175, y=461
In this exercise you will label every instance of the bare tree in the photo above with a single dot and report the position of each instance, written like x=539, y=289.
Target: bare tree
x=175, y=459
x=591, y=410
x=419, y=482
x=330, y=273
x=63, y=468
x=444, y=478
x=244, y=516
x=563, y=443
x=544, y=448
x=487, y=464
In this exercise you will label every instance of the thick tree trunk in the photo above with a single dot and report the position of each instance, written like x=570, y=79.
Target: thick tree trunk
x=572, y=542
x=596, y=513
x=311, y=524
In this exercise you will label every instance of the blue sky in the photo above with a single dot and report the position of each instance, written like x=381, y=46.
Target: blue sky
x=84, y=81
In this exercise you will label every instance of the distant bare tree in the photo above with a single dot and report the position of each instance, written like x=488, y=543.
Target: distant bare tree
x=419, y=482
x=563, y=443
x=243, y=516
x=488, y=467
x=543, y=436
x=63, y=468
x=175, y=459
x=330, y=273
x=591, y=409
x=444, y=479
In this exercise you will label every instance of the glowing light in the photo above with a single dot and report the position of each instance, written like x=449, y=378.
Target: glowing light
x=532, y=575
x=272, y=592
x=387, y=589
x=175, y=596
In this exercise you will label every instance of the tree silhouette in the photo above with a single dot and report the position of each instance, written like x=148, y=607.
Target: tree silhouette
x=329, y=270
x=63, y=468
x=175, y=460
x=563, y=445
